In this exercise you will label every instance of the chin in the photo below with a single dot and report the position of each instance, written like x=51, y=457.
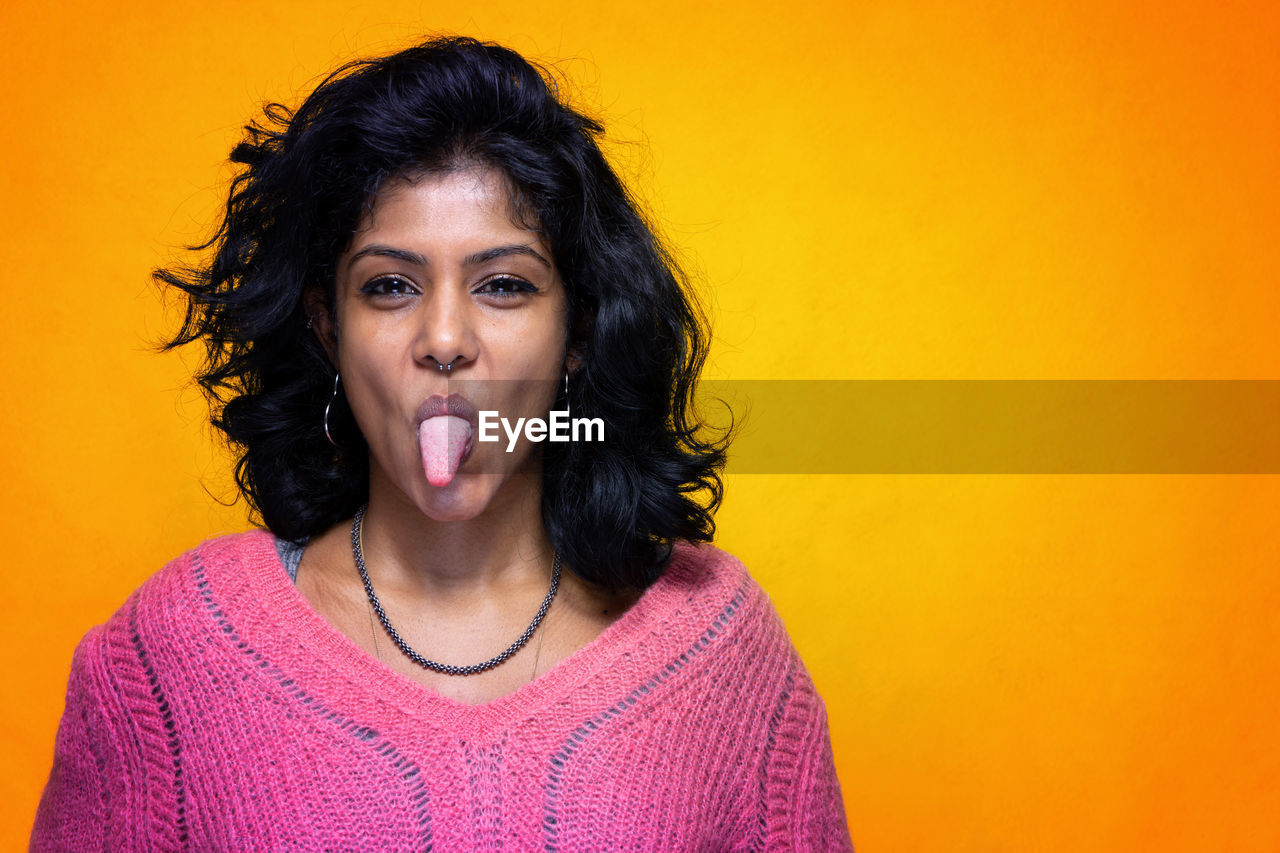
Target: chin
x=468, y=496
x=450, y=513
x=461, y=500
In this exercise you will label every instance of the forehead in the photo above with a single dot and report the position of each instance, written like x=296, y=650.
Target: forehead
x=462, y=204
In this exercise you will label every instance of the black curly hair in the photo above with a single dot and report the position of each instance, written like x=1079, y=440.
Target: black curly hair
x=611, y=508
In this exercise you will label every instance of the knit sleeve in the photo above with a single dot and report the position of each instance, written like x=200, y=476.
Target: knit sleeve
x=804, y=804
x=84, y=804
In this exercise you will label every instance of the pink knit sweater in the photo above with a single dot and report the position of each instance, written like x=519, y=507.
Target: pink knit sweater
x=217, y=711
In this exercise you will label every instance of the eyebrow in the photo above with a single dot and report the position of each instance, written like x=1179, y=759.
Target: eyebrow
x=473, y=260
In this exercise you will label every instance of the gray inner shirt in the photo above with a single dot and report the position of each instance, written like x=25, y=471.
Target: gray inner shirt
x=291, y=555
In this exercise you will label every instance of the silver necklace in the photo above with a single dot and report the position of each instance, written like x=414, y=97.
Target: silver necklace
x=357, y=526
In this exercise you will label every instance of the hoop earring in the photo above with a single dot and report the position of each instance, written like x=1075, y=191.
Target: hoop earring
x=329, y=405
x=567, y=411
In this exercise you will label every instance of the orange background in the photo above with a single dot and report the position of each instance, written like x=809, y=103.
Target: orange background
x=938, y=190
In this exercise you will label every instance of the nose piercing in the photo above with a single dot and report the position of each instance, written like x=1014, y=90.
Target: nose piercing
x=441, y=366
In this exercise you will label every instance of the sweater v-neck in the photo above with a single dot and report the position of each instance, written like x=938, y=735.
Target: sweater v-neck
x=303, y=640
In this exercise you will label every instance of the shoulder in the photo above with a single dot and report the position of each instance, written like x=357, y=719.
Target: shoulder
x=173, y=597
x=709, y=587
x=217, y=558
x=704, y=570
x=165, y=624
x=252, y=548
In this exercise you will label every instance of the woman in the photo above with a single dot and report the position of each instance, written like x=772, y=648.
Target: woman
x=441, y=639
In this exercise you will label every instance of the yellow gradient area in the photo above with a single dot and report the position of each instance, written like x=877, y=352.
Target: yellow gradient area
x=907, y=190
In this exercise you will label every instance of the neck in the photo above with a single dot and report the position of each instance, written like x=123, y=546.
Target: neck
x=504, y=549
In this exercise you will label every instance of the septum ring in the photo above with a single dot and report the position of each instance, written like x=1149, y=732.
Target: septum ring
x=441, y=366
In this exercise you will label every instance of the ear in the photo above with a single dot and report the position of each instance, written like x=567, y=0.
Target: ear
x=580, y=330
x=573, y=358
x=322, y=324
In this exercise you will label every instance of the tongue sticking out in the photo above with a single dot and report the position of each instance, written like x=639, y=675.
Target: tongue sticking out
x=443, y=441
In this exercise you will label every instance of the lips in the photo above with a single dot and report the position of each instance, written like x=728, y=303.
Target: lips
x=455, y=404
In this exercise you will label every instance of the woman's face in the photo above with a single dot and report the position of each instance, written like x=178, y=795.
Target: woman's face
x=441, y=273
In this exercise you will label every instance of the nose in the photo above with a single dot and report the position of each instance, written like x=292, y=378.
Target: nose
x=446, y=333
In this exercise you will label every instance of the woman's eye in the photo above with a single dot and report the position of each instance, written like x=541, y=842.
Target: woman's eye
x=505, y=287
x=388, y=285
